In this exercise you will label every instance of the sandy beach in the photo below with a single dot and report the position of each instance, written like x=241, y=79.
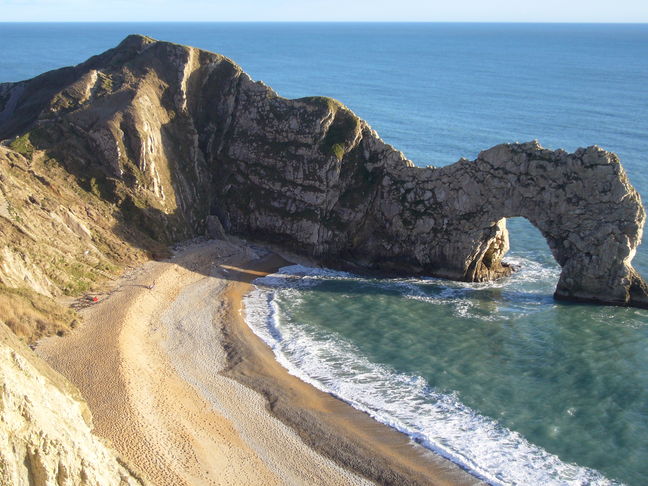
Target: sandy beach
x=188, y=395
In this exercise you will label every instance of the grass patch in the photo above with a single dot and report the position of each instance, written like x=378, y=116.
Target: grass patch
x=337, y=149
x=324, y=101
x=72, y=277
x=77, y=277
x=341, y=134
x=343, y=130
x=105, y=82
x=32, y=316
x=23, y=145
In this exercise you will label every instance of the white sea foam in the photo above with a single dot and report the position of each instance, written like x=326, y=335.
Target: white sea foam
x=438, y=421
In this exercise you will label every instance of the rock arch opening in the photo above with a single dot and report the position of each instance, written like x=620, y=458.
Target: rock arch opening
x=581, y=203
x=529, y=252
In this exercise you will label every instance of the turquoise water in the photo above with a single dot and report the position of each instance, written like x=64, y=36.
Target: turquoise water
x=500, y=378
x=513, y=386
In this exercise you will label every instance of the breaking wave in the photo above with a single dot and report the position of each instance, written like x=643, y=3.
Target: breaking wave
x=438, y=421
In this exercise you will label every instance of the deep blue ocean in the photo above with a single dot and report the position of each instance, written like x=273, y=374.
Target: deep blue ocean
x=500, y=378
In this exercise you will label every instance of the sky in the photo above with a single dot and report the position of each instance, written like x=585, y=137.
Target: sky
x=325, y=10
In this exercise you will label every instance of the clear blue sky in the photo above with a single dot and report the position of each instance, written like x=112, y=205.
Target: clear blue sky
x=327, y=10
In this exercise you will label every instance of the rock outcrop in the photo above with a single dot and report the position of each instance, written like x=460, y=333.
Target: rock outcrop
x=175, y=138
x=46, y=428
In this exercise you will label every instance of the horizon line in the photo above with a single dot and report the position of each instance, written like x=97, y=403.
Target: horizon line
x=618, y=22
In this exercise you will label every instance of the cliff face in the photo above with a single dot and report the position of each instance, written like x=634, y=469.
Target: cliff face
x=180, y=140
x=46, y=429
x=58, y=236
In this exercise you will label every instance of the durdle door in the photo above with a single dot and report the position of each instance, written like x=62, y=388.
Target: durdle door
x=180, y=139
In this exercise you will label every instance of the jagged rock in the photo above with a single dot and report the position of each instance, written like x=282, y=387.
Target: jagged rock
x=183, y=134
x=215, y=228
x=46, y=428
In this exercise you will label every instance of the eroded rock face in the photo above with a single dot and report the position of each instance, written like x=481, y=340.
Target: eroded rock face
x=182, y=136
x=582, y=203
x=45, y=427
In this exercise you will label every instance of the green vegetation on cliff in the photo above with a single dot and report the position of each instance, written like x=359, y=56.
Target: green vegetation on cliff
x=23, y=145
x=32, y=316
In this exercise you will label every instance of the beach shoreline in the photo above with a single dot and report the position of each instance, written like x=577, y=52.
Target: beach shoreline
x=188, y=394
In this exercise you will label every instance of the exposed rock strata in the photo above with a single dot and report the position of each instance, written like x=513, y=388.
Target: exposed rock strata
x=176, y=136
x=46, y=428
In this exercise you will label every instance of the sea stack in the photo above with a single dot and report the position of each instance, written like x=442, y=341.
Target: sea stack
x=181, y=141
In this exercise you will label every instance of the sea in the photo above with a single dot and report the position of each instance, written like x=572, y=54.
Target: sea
x=500, y=378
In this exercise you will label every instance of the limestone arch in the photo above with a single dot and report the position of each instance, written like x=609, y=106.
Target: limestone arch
x=582, y=204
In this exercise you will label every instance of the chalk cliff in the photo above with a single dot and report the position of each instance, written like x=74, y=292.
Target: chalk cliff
x=179, y=141
x=46, y=427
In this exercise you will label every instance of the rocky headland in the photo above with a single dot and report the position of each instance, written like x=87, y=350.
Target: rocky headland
x=105, y=164
x=171, y=142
